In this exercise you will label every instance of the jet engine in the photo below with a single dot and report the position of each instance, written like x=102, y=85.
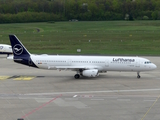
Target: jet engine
x=90, y=73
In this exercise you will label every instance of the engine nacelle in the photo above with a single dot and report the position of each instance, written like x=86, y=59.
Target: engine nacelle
x=90, y=73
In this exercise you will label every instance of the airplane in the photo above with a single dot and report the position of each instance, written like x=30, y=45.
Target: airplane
x=87, y=66
x=5, y=49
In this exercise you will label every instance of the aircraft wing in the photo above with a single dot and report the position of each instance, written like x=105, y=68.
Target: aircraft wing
x=73, y=67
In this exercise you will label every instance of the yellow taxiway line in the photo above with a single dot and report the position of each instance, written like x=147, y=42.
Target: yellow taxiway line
x=24, y=78
x=17, y=77
x=4, y=77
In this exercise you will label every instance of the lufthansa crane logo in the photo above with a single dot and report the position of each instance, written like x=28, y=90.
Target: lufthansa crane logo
x=18, y=49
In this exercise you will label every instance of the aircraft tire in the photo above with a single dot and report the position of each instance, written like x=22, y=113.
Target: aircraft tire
x=138, y=76
x=77, y=76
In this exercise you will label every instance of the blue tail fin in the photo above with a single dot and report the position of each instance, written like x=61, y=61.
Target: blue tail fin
x=21, y=54
x=17, y=47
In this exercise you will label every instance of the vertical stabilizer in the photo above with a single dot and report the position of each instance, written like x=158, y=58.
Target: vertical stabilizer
x=21, y=54
x=17, y=47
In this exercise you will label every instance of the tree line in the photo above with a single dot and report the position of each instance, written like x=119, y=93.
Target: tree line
x=12, y=11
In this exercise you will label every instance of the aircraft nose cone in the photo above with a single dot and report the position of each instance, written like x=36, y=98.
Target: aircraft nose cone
x=154, y=66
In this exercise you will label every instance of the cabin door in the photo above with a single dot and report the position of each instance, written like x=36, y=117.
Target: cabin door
x=30, y=62
x=69, y=62
x=137, y=63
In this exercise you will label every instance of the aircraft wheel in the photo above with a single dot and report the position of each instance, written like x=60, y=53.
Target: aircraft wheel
x=138, y=76
x=77, y=76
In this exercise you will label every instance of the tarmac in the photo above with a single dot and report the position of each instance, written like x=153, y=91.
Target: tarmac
x=34, y=94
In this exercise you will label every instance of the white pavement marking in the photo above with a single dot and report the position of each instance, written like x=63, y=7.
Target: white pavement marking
x=43, y=100
x=123, y=100
x=110, y=97
x=71, y=99
x=82, y=92
x=97, y=99
x=62, y=103
x=75, y=96
x=150, y=100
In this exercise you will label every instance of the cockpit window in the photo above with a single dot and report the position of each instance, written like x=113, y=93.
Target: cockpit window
x=147, y=62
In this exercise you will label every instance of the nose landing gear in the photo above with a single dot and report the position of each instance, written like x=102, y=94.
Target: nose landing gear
x=138, y=76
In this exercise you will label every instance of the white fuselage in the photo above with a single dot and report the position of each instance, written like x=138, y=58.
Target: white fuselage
x=5, y=49
x=101, y=63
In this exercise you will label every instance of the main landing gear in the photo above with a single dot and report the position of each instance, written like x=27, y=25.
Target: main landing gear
x=77, y=76
x=138, y=76
x=79, y=72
